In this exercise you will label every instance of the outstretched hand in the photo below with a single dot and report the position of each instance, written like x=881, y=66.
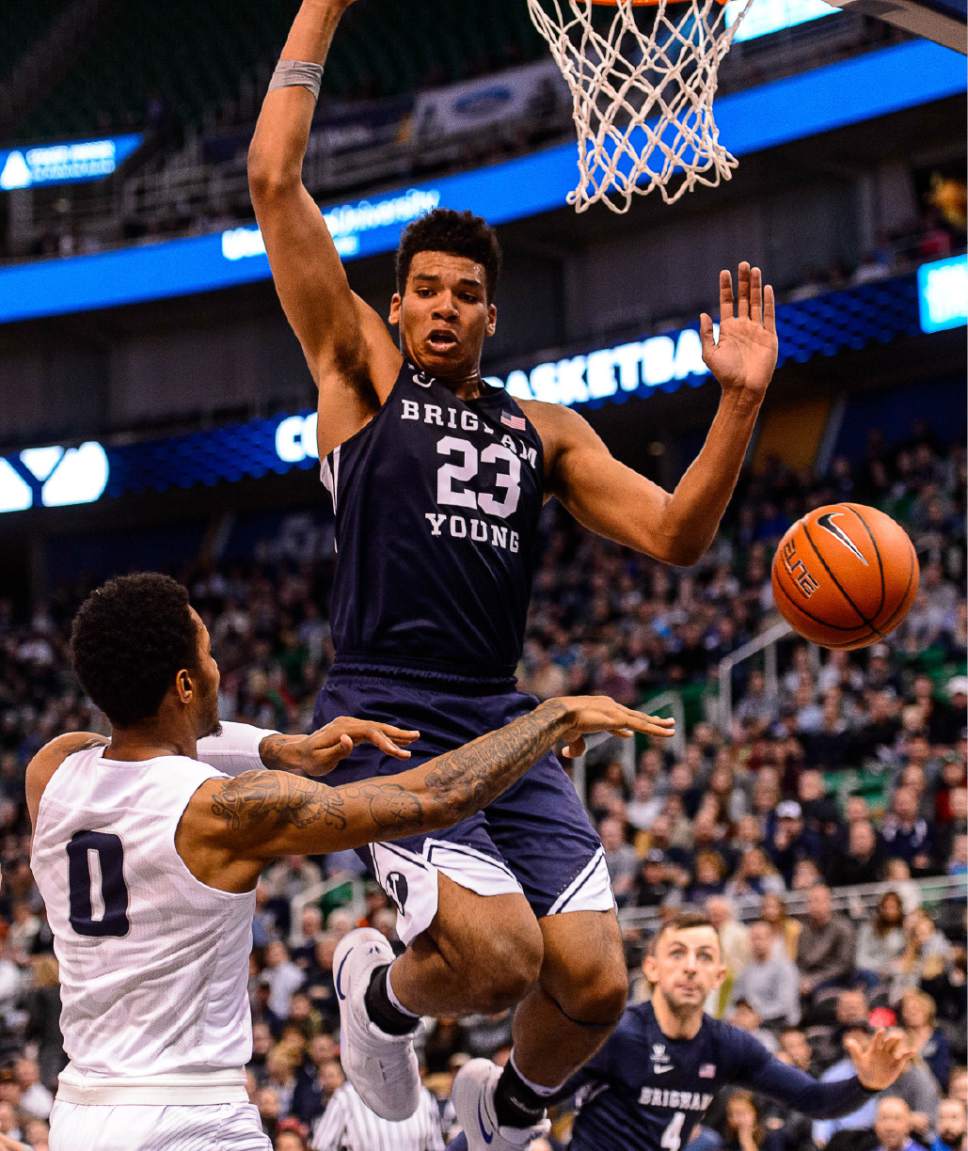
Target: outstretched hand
x=321, y=751
x=592, y=713
x=745, y=355
x=879, y=1062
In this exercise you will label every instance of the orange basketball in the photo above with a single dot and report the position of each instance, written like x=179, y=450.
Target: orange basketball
x=845, y=576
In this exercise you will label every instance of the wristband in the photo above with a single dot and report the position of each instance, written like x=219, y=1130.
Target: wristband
x=297, y=74
x=235, y=749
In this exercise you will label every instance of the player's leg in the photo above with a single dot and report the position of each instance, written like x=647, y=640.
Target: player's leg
x=482, y=953
x=544, y=834
x=581, y=994
x=473, y=945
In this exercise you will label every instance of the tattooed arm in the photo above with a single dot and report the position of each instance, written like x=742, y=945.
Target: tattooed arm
x=232, y=827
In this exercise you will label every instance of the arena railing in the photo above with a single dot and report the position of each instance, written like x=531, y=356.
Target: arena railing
x=858, y=902
x=766, y=642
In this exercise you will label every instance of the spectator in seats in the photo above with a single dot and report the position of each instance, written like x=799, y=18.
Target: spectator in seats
x=795, y=1049
x=918, y=1014
x=806, y=875
x=925, y=955
x=644, y=805
x=906, y=834
x=951, y=1127
x=786, y=929
x=958, y=1086
x=285, y=880
x=289, y=1137
x=733, y=935
x=747, y=1018
x=267, y=1102
x=861, y=860
x=893, y=1126
x=284, y=978
x=754, y=875
x=652, y=885
x=709, y=878
x=35, y=1099
x=768, y=983
x=42, y=1006
x=953, y=828
x=825, y=952
x=898, y=876
x=281, y=1077
x=873, y=741
x=790, y=841
x=620, y=859
x=881, y=940
x=743, y=1129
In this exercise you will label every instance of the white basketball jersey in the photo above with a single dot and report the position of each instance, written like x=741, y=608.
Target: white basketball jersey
x=153, y=963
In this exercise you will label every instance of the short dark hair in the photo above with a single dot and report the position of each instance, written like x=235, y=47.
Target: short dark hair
x=459, y=234
x=129, y=638
x=682, y=922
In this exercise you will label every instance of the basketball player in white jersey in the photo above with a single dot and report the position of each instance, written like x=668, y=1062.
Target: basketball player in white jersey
x=147, y=860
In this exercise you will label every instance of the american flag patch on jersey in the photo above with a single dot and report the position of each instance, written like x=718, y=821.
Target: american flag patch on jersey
x=707, y=1071
x=519, y=423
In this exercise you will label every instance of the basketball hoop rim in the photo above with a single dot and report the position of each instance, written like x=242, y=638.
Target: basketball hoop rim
x=645, y=3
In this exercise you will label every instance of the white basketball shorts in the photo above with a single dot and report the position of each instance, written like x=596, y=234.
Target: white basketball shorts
x=206, y=1127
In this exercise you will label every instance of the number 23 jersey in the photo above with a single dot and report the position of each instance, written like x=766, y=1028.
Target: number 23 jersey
x=437, y=503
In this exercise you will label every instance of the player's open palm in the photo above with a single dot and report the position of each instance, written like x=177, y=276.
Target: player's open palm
x=323, y=750
x=880, y=1061
x=593, y=713
x=745, y=355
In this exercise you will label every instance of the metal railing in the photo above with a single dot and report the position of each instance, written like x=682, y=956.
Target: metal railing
x=857, y=902
x=765, y=642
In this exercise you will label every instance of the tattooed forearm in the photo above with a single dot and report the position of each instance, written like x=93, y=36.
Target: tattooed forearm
x=262, y=806
x=262, y=801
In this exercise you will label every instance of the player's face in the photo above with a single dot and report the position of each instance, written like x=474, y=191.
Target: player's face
x=207, y=679
x=444, y=315
x=686, y=966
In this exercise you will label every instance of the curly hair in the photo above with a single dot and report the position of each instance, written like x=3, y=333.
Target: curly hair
x=457, y=233
x=129, y=638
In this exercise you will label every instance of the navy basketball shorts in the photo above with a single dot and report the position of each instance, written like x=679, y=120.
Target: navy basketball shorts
x=534, y=840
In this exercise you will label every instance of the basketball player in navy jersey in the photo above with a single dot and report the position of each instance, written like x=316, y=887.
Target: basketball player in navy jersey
x=437, y=482
x=649, y=1086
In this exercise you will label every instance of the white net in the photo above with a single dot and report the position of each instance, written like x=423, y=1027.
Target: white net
x=642, y=79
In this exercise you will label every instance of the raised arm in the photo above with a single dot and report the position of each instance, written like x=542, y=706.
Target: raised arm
x=615, y=501
x=232, y=827
x=877, y=1063
x=348, y=348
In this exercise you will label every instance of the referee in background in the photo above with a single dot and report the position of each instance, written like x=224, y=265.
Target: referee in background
x=348, y=1124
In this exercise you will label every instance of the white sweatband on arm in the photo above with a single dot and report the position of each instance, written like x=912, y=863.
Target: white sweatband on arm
x=297, y=74
x=235, y=750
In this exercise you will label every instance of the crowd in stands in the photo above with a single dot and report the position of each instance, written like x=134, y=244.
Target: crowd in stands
x=851, y=773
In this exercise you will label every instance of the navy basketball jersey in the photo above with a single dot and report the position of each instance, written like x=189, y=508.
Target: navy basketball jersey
x=646, y=1092
x=437, y=502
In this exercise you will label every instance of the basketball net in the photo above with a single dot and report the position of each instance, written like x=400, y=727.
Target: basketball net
x=642, y=76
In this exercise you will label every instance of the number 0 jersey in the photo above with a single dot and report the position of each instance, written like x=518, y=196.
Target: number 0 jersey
x=153, y=963
x=437, y=502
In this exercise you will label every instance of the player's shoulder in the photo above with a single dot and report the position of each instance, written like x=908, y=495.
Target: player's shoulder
x=555, y=417
x=50, y=757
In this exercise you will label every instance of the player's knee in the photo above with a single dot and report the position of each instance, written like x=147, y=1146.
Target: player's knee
x=597, y=993
x=505, y=969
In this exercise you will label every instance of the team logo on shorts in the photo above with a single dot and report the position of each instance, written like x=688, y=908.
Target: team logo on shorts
x=398, y=889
